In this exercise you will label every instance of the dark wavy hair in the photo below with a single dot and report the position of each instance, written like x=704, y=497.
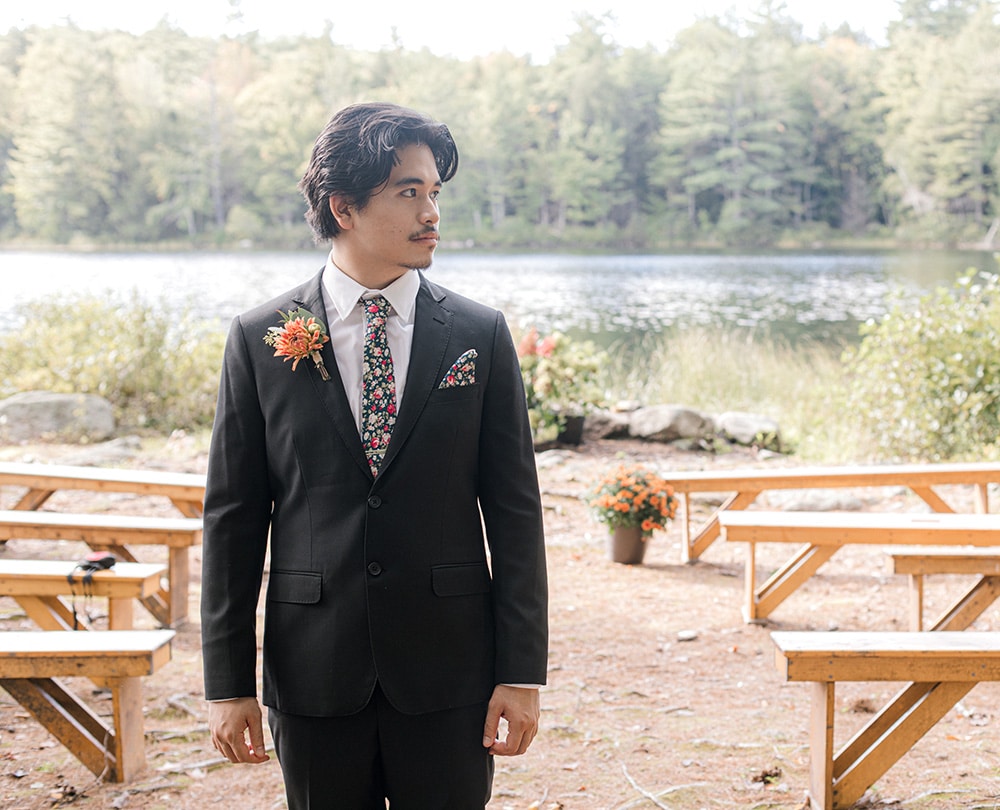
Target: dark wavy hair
x=356, y=151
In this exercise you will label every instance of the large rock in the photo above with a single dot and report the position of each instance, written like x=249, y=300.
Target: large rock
x=668, y=423
x=606, y=425
x=44, y=416
x=749, y=429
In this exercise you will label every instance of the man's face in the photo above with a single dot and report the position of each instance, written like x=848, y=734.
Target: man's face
x=398, y=228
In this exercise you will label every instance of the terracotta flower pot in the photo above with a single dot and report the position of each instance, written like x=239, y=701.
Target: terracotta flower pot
x=627, y=545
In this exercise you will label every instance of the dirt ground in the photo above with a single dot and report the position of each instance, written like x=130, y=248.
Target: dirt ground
x=659, y=694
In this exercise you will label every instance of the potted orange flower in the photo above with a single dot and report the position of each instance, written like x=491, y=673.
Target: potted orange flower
x=633, y=501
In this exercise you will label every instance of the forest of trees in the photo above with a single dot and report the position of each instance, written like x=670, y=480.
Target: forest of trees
x=737, y=132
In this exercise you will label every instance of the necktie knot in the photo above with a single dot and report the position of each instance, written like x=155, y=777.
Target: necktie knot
x=377, y=307
x=378, y=383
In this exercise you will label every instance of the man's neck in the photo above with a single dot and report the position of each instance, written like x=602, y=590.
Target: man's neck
x=367, y=277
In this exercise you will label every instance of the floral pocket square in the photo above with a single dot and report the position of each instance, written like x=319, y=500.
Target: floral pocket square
x=462, y=372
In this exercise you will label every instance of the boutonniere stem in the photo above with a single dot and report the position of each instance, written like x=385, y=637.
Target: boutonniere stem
x=300, y=335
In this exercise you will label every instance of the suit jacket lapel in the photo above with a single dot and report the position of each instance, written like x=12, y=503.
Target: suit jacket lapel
x=331, y=391
x=431, y=332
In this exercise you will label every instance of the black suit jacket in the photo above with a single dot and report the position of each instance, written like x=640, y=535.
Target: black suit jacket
x=385, y=578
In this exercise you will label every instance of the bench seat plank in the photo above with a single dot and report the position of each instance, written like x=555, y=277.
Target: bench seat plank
x=101, y=529
x=37, y=585
x=748, y=483
x=116, y=533
x=946, y=560
x=49, y=578
x=185, y=490
x=823, y=533
x=917, y=563
x=874, y=528
x=31, y=661
x=61, y=654
x=888, y=656
x=941, y=667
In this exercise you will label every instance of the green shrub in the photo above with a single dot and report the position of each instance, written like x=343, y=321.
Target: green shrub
x=158, y=371
x=926, y=378
x=560, y=380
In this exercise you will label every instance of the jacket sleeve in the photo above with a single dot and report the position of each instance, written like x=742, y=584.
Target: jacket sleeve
x=237, y=516
x=512, y=513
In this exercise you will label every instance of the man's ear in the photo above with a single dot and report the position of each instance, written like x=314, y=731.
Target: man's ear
x=342, y=211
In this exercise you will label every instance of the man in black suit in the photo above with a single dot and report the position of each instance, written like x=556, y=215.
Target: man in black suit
x=390, y=464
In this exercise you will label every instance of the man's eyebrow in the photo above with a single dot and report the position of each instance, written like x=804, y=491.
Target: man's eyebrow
x=415, y=181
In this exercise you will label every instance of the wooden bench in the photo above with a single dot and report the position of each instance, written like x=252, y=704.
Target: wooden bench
x=116, y=533
x=745, y=485
x=823, y=533
x=185, y=490
x=981, y=562
x=941, y=668
x=38, y=585
x=31, y=660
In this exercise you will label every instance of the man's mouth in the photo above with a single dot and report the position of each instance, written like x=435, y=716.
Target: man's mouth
x=426, y=237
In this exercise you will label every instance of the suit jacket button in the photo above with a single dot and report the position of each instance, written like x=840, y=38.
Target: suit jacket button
x=374, y=569
x=374, y=501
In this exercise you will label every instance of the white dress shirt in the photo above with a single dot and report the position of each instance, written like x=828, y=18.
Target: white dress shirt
x=345, y=322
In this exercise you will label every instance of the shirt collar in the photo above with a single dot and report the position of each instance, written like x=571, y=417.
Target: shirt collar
x=344, y=292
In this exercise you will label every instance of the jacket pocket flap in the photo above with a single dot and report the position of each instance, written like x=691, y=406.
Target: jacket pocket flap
x=296, y=587
x=460, y=580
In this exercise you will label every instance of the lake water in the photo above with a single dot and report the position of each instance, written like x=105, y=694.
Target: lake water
x=824, y=296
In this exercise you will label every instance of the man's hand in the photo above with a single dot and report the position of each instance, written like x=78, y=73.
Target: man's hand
x=520, y=708
x=237, y=730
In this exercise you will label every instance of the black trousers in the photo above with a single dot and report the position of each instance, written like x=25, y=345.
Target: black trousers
x=418, y=762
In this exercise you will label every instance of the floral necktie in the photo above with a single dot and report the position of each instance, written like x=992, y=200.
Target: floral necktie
x=378, y=383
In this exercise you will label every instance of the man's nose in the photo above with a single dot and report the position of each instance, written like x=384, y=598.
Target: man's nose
x=431, y=213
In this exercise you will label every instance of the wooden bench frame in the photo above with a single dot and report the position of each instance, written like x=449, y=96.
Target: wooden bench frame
x=941, y=669
x=747, y=484
x=918, y=563
x=30, y=661
x=115, y=533
x=823, y=533
x=185, y=490
x=38, y=585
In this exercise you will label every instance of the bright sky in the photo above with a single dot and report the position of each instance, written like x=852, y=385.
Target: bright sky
x=460, y=28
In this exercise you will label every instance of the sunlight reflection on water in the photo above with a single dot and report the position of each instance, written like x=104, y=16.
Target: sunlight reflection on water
x=821, y=296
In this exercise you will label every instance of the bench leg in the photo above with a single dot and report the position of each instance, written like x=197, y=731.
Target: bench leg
x=760, y=602
x=967, y=609
x=121, y=616
x=117, y=753
x=158, y=604
x=33, y=499
x=881, y=743
x=129, y=739
x=821, y=716
x=932, y=499
x=178, y=567
x=982, y=505
x=30, y=501
x=917, y=602
x=51, y=613
x=693, y=547
x=191, y=509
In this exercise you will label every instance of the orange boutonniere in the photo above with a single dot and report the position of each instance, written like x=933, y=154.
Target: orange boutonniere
x=300, y=335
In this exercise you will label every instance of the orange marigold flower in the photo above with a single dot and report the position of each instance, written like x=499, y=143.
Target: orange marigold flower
x=297, y=340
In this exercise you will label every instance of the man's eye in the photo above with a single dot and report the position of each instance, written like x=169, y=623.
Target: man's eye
x=410, y=192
